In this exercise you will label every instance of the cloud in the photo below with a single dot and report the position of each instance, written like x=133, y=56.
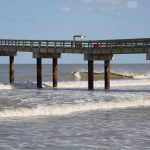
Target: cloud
x=98, y=5
x=99, y=1
x=69, y=10
x=86, y=1
x=66, y=9
x=133, y=5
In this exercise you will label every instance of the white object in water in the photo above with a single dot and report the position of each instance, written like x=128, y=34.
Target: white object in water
x=77, y=76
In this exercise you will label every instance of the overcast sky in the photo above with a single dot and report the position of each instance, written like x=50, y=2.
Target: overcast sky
x=61, y=19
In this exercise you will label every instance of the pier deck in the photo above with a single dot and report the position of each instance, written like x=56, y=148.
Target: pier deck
x=92, y=50
x=123, y=46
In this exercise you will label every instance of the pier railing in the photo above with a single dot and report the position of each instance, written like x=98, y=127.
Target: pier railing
x=124, y=43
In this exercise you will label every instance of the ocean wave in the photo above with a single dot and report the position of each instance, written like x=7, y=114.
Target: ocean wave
x=77, y=84
x=5, y=86
x=18, y=85
x=66, y=109
x=79, y=75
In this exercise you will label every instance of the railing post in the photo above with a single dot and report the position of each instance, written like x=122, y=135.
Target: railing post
x=90, y=75
x=39, y=72
x=11, y=69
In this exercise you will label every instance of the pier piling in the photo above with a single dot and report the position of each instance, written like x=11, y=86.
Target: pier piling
x=55, y=72
x=39, y=56
x=107, y=74
x=90, y=75
x=11, y=69
x=39, y=72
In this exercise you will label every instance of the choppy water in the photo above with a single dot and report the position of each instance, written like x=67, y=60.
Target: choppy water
x=71, y=117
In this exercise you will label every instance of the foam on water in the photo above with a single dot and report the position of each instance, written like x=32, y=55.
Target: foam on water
x=136, y=75
x=77, y=84
x=66, y=109
x=79, y=75
x=122, y=101
x=5, y=86
x=100, y=84
x=115, y=119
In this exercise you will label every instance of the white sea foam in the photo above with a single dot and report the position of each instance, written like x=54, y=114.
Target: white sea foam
x=100, y=84
x=66, y=109
x=77, y=76
x=137, y=75
x=77, y=84
x=5, y=86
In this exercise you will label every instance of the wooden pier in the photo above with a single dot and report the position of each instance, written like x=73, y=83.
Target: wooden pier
x=102, y=50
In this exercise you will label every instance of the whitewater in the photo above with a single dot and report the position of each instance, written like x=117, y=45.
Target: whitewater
x=70, y=116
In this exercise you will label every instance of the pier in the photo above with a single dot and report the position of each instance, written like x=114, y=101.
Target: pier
x=93, y=50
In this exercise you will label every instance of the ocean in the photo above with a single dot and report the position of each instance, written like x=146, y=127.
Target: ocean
x=70, y=117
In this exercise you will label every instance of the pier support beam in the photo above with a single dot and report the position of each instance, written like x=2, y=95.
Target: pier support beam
x=107, y=74
x=10, y=53
x=106, y=58
x=11, y=69
x=55, y=72
x=39, y=72
x=39, y=56
x=90, y=75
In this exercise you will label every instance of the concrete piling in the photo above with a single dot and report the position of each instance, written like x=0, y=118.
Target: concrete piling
x=55, y=72
x=39, y=56
x=11, y=69
x=107, y=74
x=39, y=72
x=90, y=75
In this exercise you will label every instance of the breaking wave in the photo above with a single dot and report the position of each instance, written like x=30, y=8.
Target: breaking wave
x=5, y=86
x=66, y=109
x=77, y=84
x=83, y=75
